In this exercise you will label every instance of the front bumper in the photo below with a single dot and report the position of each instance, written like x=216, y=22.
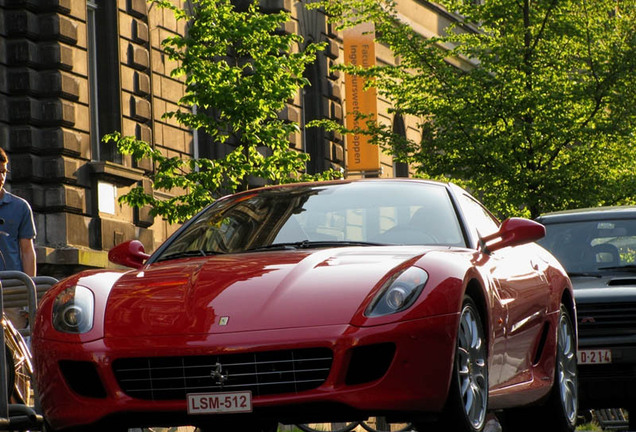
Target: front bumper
x=606, y=321
x=415, y=382
x=609, y=385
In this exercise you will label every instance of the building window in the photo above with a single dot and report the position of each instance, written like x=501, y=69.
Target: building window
x=103, y=77
x=314, y=137
x=401, y=169
x=107, y=197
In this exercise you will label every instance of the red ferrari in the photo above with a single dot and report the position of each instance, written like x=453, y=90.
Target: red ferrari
x=317, y=302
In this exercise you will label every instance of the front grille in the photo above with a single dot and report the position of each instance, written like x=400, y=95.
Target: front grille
x=605, y=372
x=602, y=319
x=263, y=373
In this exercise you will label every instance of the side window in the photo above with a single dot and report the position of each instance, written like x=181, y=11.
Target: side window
x=481, y=218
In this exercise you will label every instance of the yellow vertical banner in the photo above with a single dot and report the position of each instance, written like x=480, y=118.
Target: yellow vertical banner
x=359, y=50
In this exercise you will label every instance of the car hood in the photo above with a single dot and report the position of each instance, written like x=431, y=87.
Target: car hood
x=606, y=288
x=248, y=292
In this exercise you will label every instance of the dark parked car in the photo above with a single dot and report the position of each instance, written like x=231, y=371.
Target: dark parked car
x=597, y=247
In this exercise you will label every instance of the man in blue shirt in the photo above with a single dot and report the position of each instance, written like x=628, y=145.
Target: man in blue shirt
x=17, y=229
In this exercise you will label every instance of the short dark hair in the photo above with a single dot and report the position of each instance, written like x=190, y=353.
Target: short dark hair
x=3, y=156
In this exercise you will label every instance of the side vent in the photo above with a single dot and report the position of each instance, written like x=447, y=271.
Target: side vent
x=541, y=345
x=369, y=363
x=82, y=378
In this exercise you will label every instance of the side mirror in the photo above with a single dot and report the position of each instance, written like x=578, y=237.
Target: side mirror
x=513, y=231
x=129, y=254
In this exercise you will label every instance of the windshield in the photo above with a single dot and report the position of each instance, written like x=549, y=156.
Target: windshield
x=344, y=214
x=593, y=246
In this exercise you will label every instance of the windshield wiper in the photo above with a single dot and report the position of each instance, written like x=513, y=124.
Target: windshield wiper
x=629, y=268
x=307, y=244
x=345, y=243
x=276, y=246
x=190, y=253
x=584, y=274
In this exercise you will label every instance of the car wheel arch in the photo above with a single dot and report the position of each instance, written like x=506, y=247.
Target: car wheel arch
x=567, y=300
x=476, y=292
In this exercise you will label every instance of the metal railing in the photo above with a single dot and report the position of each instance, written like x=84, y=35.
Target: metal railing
x=21, y=291
x=611, y=419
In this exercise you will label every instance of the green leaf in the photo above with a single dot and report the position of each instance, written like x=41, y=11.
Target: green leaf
x=540, y=116
x=239, y=72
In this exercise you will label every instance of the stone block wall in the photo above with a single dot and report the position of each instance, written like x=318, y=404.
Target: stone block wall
x=49, y=125
x=47, y=129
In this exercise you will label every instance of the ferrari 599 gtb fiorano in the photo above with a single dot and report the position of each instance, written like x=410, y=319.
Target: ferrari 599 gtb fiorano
x=317, y=302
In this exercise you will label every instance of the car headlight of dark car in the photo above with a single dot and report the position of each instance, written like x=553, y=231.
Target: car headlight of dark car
x=398, y=293
x=73, y=310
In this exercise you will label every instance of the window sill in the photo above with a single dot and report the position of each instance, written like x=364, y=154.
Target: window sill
x=115, y=173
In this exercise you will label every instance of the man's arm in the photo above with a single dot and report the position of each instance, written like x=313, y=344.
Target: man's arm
x=27, y=253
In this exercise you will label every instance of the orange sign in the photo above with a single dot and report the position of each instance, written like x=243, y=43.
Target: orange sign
x=359, y=50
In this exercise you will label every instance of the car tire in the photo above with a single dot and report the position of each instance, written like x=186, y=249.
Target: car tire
x=631, y=418
x=467, y=403
x=259, y=426
x=382, y=426
x=560, y=412
x=328, y=427
x=46, y=427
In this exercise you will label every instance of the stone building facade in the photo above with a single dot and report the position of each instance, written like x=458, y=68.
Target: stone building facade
x=73, y=70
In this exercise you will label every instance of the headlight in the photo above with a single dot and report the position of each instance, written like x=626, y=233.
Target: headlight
x=398, y=293
x=73, y=310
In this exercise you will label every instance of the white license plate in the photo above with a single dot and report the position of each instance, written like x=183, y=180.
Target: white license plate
x=594, y=356
x=214, y=403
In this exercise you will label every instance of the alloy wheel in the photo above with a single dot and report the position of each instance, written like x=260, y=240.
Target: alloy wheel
x=472, y=367
x=567, y=368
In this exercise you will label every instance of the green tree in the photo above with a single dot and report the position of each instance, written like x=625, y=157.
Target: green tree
x=239, y=71
x=533, y=109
